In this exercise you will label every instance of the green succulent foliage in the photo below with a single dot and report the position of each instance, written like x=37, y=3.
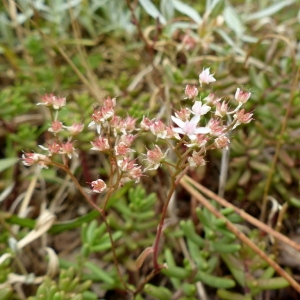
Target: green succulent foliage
x=205, y=251
x=13, y=102
x=69, y=286
x=137, y=211
x=95, y=239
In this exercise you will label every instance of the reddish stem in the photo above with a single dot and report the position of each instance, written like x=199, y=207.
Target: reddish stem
x=175, y=182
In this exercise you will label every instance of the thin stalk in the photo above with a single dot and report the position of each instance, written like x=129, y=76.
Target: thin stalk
x=175, y=181
x=102, y=212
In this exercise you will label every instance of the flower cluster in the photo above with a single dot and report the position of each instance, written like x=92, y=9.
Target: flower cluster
x=202, y=127
x=58, y=145
x=53, y=101
x=115, y=138
x=194, y=129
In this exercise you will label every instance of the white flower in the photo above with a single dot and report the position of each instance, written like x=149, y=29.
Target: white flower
x=189, y=127
x=199, y=109
x=206, y=77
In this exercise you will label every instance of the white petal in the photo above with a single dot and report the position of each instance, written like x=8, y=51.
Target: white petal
x=177, y=121
x=44, y=148
x=178, y=130
x=202, y=130
x=195, y=119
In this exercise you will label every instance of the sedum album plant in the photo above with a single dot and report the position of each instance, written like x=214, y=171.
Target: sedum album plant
x=178, y=144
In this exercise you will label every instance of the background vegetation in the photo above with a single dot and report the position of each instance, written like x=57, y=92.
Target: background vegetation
x=145, y=52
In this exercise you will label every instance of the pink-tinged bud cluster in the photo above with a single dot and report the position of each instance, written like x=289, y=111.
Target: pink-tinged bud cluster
x=122, y=126
x=222, y=142
x=51, y=100
x=212, y=99
x=98, y=186
x=196, y=159
x=191, y=92
x=100, y=144
x=127, y=139
x=75, y=128
x=103, y=113
x=206, y=77
x=221, y=109
x=158, y=128
x=154, y=158
x=53, y=148
x=215, y=128
x=199, y=142
x=56, y=127
x=145, y=124
x=241, y=96
x=30, y=159
x=183, y=114
x=242, y=118
x=115, y=139
x=68, y=149
x=128, y=125
x=121, y=149
x=130, y=169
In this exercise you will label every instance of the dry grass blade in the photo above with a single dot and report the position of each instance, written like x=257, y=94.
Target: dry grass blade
x=44, y=222
x=277, y=235
x=187, y=185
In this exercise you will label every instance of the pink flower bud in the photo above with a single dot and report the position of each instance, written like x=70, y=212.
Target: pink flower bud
x=158, y=128
x=109, y=102
x=242, y=118
x=98, y=186
x=56, y=127
x=30, y=159
x=241, y=96
x=191, y=92
x=47, y=100
x=67, y=148
x=128, y=125
x=75, y=128
x=135, y=174
x=211, y=99
x=222, y=142
x=122, y=149
x=215, y=128
x=146, y=123
x=58, y=102
x=183, y=114
x=196, y=160
x=100, y=144
x=221, y=109
x=53, y=148
x=155, y=157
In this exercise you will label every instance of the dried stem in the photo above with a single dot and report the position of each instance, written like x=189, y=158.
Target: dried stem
x=243, y=214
